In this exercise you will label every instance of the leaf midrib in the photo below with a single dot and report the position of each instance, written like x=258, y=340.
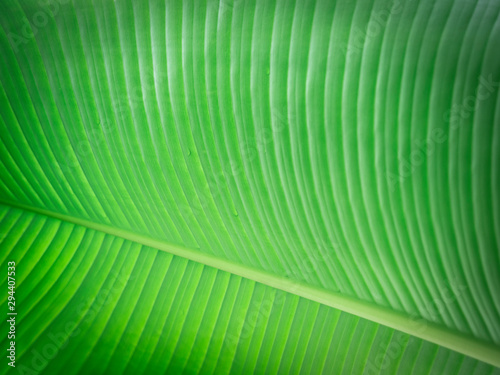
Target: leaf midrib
x=412, y=325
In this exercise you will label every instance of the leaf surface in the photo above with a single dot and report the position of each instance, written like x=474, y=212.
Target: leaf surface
x=331, y=155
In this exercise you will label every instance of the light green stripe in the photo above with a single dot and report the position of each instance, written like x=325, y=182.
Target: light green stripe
x=413, y=326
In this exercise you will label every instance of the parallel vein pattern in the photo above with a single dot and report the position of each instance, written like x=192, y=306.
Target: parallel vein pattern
x=91, y=303
x=353, y=145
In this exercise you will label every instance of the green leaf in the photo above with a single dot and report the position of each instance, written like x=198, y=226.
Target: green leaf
x=91, y=302
x=251, y=186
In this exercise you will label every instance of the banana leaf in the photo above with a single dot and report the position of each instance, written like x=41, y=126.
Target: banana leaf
x=250, y=186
